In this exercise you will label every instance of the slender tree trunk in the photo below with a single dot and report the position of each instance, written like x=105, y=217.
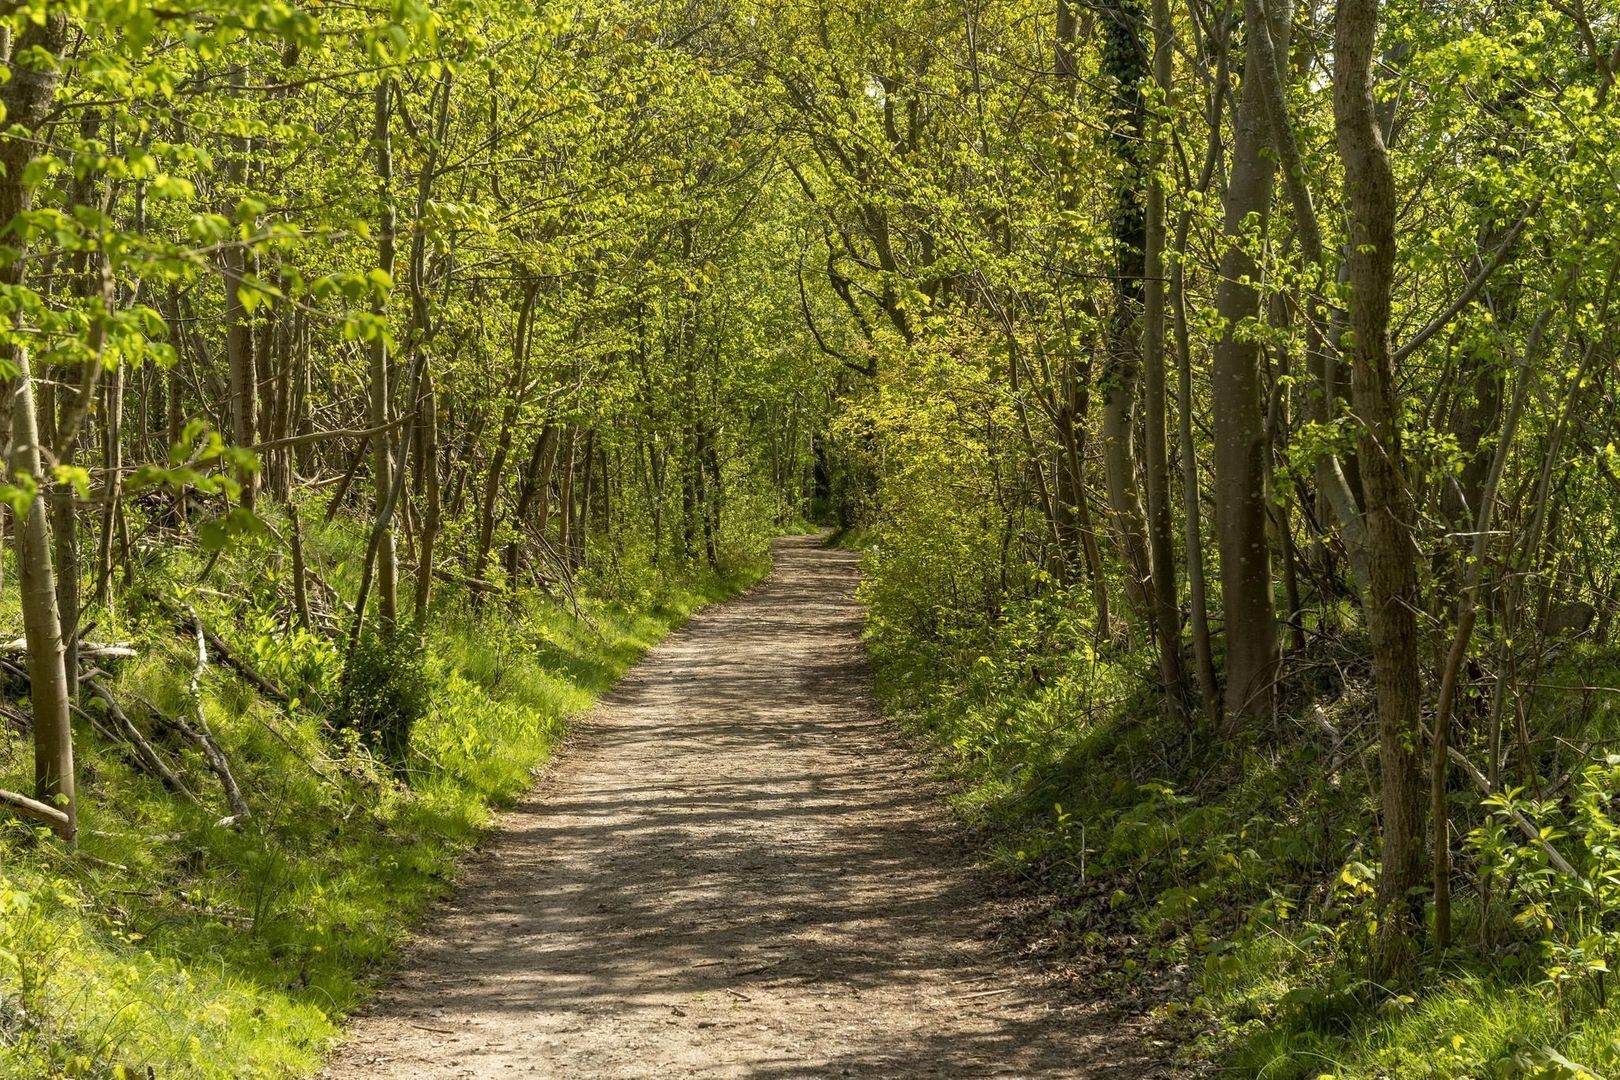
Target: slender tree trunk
x=428, y=434
x=1077, y=540
x=65, y=538
x=300, y=585
x=488, y=504
x=1124, y=63
x=1155, y=446
x=565, y=497
x=382, y=444
x=49, y=692
x=577, y=540
x=532, y=492
x=1467, y=612
x=1192, y=509
x=244, y=383
x=27, y=98
x=1391, y=612
x=113, y=460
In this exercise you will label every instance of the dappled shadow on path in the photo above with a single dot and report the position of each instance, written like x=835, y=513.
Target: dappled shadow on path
x=736, y=871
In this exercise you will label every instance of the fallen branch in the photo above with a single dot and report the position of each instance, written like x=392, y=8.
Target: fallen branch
x=246, y=670
x=471, y=584
x=188, y=622
x=332, y=597
x=35, y=809
x=1525, y=825
x=144, y=750
x=117, y=650
x=204, y=738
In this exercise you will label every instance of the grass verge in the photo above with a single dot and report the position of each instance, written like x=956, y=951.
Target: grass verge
x=1228, y=880
x=173, y=944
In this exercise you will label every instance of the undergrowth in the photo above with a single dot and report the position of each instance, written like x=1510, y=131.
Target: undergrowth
x=175, y=944
x=1230, y=879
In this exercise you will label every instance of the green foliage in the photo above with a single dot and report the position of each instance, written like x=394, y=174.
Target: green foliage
x=1243, y=872
x=207, y=952
x=386, y=689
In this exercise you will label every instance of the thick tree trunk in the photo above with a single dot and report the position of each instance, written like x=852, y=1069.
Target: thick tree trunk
x=1239, y=405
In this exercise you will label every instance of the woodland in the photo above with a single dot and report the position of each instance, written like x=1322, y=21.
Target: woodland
x=1221, y=393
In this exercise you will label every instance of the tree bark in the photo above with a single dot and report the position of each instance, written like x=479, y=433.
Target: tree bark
x=1124, y=63
x=28, y=97
x=428, y=458
x=1155, y=447
x=1391, y=612
x=1239, y=402
x=382, y=444
x=48, y=690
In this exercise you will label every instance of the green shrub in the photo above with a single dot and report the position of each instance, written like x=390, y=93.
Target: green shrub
x=386, y=690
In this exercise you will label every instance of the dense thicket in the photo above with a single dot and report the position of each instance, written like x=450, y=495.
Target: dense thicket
x=1265, y=348
x=492, y=280
x=381, y=378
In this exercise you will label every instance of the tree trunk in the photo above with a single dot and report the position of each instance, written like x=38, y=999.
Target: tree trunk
x=1077, y=541
x=238, y=334
x=382, y=444
x=1155, y=447
x=1391, y=612
x=428, y=451
x=113, y=460
x=48, y=690
x=27, y=99
x=531, y=493
x=1239, y=403
x=488, y=502
x=1124, y=63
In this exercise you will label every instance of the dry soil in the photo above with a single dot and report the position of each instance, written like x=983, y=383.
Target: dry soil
x=736, y=869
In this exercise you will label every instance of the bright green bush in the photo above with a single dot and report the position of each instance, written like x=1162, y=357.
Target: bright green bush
x=386, y=690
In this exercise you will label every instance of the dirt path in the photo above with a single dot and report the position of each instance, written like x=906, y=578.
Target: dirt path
x=736, y=871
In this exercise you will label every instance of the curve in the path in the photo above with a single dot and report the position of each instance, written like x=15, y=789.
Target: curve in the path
x=736, y=870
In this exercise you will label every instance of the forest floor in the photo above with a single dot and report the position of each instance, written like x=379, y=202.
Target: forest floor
x=736, y=868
